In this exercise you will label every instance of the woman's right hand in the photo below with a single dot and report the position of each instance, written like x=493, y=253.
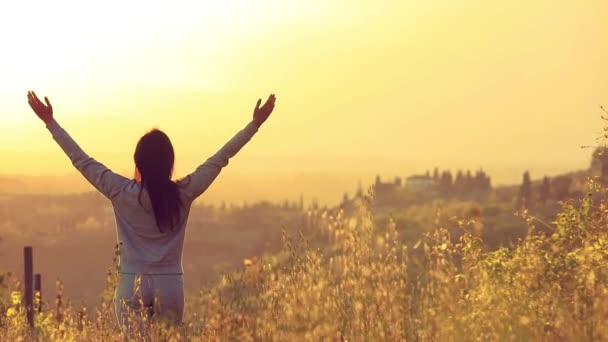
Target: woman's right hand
x=44, y=112
x=260, y=114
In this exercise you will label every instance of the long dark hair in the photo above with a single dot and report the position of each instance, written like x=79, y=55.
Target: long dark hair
x=154, y=158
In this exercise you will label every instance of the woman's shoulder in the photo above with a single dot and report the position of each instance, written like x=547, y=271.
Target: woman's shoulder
x=135, y=193
x=182, y=185
x=131, y=189
x=182, y=182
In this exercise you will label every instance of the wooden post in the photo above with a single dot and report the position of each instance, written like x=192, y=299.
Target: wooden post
x=38, y=290
x=28, y=269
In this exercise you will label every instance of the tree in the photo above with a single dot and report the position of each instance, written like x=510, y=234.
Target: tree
x=436, y=175
x=468, y=180
x=460, y=188
x=445, y=183
x=525, y=192
x=545, y=190
x=359, y=193
x=561, y=187
x=482, y=181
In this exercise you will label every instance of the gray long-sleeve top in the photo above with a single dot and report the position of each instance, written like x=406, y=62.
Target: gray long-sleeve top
x=144, y=249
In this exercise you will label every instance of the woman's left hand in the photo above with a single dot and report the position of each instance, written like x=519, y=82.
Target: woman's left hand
x=44, y=112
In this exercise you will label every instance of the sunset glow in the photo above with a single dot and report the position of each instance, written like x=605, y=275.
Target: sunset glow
x=432, y=170
x=363, y=87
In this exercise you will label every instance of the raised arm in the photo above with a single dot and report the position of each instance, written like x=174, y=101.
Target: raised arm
x=102, y=178
x=198, y=181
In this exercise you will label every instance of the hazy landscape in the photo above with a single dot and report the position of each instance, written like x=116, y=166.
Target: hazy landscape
x=431, y=171
x=227, y=238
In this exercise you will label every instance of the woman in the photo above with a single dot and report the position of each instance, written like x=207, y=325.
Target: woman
x=151, y=210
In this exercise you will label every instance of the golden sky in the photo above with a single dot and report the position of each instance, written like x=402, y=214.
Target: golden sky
x=363, y=87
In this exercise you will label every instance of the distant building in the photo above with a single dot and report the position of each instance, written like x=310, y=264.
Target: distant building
x=420, y=183
x=388, y=187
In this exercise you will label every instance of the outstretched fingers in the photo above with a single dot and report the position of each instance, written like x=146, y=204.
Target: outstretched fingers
x=35, y=97
x=48, y=103
x=44, y=111
x=34, y=101
x=31, y=99
x=270, y=102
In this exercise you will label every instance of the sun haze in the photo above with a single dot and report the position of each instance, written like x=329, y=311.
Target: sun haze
x=363, y=88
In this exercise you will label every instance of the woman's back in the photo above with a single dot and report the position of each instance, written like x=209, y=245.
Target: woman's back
x=144, y=248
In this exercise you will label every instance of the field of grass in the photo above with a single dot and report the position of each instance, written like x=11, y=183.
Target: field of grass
x=351, y=279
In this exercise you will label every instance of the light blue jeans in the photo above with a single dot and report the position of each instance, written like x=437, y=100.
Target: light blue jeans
x=162, y=296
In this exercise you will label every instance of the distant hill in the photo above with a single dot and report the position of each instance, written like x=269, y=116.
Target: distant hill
x=17, y=184
x=229, y=187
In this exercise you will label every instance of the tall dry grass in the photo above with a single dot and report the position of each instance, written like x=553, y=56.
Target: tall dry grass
x=352, y=280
